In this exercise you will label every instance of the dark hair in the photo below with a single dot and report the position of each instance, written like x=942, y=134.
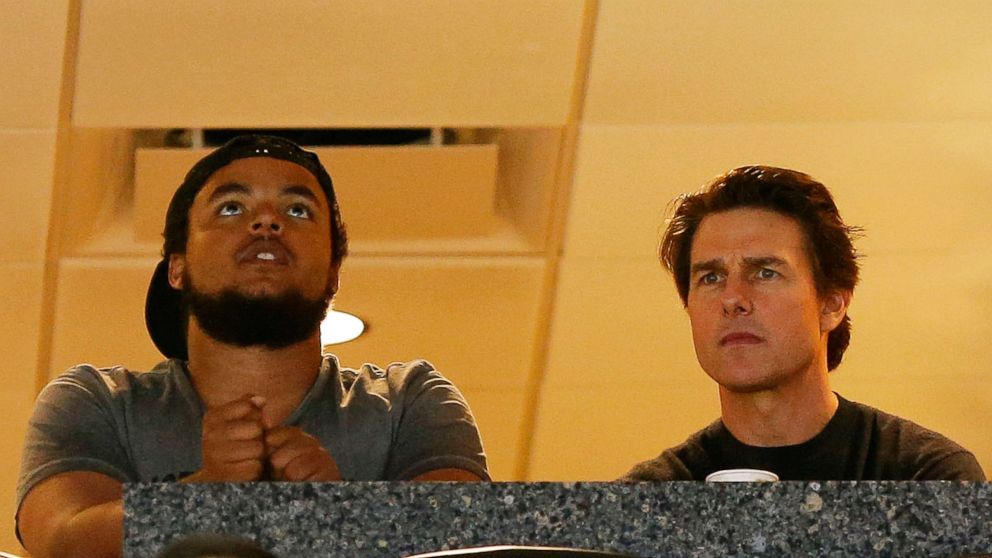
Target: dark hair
x=177, y=217
x=829, y=242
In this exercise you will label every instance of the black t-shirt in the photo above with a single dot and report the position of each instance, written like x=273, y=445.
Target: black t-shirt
x=859, y=443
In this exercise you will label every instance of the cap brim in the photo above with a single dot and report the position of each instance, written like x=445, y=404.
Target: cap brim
x=164, y=314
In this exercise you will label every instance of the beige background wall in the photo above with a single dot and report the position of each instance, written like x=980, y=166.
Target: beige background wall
x=538, y=294
x=32, y=39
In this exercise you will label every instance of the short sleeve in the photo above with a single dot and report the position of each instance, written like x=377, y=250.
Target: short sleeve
x=72, y=428
x=433, y=427
x=957, y=466
x=665, y=467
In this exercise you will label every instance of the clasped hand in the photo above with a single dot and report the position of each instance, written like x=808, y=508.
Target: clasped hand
x=238, y=446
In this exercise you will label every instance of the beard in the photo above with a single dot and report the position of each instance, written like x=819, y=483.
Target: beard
x=272, y=321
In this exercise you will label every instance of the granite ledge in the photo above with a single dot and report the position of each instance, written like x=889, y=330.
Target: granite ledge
x=391, y=519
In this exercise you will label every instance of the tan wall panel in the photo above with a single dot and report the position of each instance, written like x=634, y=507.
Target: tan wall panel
x=782, y=61
x=913, y=186
x=384, y=192
x=19, y=329
x=599, y=433
x=473, y=318
x=619, y=322
x=398, y=63
x=32, y=42
x=921, y=317
x=499, y=414
x=100, y=314
x=28, y=162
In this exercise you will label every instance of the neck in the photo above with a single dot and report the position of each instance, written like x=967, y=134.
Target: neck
x=781, y=416
x=222, y=373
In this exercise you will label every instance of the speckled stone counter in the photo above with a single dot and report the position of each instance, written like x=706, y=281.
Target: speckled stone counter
x=649, y=520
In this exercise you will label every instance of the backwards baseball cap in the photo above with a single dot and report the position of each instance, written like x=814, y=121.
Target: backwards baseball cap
x=165, y=315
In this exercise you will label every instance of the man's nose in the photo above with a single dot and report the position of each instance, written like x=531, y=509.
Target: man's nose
x=266, y=221
x=736, y=297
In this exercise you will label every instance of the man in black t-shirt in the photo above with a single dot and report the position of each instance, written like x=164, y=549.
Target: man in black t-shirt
x=766, y=269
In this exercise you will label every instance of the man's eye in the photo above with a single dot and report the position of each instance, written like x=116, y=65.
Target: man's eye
x=229, y=208
x=299, y=211
x=765, y=273
x=709, y=279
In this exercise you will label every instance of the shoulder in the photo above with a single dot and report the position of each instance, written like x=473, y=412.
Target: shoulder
x=904, y=431
x=113, y=382
x=394, y=380
x=113, y=394
x=922, y=453
x=394, y=389
x=88, y=382
x=682, y=462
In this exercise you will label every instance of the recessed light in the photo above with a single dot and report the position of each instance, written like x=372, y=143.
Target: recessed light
x=340, y=327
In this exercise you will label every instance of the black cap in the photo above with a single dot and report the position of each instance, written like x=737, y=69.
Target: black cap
x=165, y=316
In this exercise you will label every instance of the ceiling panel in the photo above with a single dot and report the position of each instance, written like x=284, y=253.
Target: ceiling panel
x=598, y=434
x=20, y=330
x=386, y=194
x=332, y=64
x=474, y=318
x=28, y=162
x=785, y=61
x=33, y=35
x=499, y=415
x=100, y=314
x=919, y=315
x=921, y=185
x=618, y=322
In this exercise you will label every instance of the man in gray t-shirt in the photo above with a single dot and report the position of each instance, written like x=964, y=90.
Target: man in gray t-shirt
x=253, y=245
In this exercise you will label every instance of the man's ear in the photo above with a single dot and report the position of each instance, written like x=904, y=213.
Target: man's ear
x=833, y=308
x=333, y=278
x=177, y=269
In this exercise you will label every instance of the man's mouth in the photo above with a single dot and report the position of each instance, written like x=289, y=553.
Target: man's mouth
x=740, y=338
x=264, y=251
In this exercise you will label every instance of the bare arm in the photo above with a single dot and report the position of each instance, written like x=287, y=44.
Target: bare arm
x=79, y=513
x=82, y=514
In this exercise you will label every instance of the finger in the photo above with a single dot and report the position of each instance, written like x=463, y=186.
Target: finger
x=302, y=467
x=246, y=406
x=316, y=466
x=233, y=452
x=281, y=435
x=300, y=456
x=295, y=444
x=234, y=431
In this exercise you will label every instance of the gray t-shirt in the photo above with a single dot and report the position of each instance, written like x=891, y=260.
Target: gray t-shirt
x=378, y=424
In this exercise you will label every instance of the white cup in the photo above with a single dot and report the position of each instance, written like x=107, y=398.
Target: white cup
x=741, y=475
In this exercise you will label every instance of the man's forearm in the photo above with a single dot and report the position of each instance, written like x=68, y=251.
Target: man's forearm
x=96, y=532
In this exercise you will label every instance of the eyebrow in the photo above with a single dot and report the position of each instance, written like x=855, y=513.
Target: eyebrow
x=226, y=189
x=708, y=265
x=297, y=190
x=717, y=264
x=764, y=261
